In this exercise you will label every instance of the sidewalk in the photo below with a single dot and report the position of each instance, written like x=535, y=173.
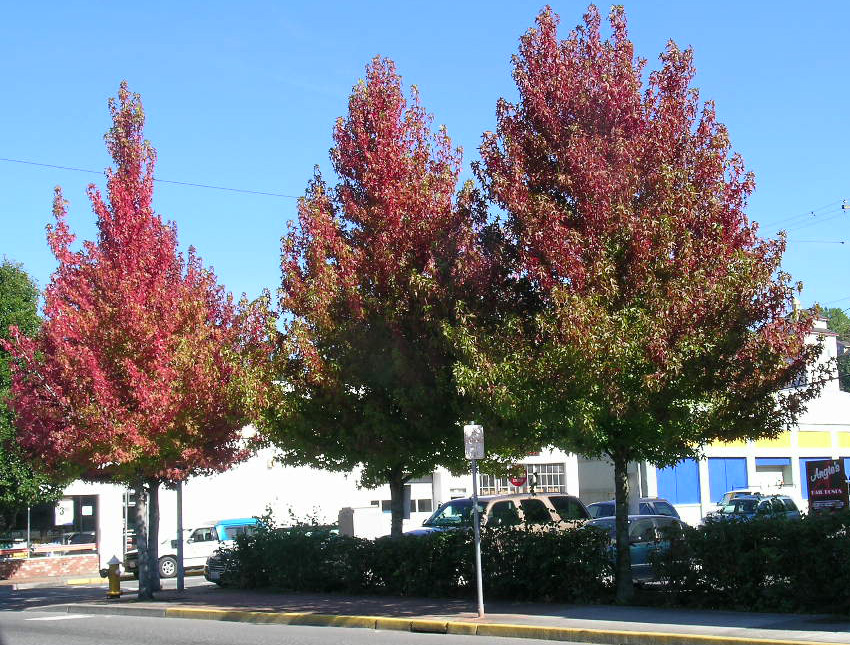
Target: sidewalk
x=609, y=625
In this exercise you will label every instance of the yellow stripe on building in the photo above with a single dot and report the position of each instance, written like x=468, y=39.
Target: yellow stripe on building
x=807, y=439
x=782, y=441
x=843, y=439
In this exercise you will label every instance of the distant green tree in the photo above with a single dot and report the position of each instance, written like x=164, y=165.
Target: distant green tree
x=839, y=322
x=20, y=484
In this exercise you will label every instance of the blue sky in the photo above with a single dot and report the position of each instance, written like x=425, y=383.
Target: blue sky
x=245, y=95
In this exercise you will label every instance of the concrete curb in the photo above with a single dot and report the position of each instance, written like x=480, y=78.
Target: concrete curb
x=422, y=625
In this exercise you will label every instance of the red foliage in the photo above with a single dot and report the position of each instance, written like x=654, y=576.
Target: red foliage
x=627, y=197
x=144, y=365
x=391, y=239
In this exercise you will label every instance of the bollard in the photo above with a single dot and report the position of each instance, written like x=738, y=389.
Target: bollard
x=114, y=579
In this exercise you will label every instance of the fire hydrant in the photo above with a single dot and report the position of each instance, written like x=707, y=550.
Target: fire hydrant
x=114, y=578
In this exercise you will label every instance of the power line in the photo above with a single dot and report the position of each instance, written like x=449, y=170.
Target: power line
x=817, y=242
x=804, y=214
x=162, y=181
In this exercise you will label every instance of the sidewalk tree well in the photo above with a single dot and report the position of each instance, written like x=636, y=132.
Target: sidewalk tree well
x=144, y=370
x=371, y=272
x=662, y=318
x=21, y=483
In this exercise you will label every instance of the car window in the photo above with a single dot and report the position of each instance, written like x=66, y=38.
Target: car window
x=642, y=531
x=503, y=514
x=789, y=504
x=778, y=506
x=602, y=510
x=535, y=511
x=645, y=509
x=230, y=532
x=664, y=508
x=739, y=505
x=764, y=508
x=458, y=512
x=203, y=535
x=569, y=508
x=669, y=527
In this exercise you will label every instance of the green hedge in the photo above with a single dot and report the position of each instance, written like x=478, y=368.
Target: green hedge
x=547, y=565
x=762, y=565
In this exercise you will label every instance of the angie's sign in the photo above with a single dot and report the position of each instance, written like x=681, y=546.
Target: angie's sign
x=827, y=485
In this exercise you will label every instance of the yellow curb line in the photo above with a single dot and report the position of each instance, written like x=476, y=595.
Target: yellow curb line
x=568, y=634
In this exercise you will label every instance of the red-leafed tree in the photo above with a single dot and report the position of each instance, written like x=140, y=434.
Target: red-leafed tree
x=371, y=272
x=144, y=369
x=662, y=319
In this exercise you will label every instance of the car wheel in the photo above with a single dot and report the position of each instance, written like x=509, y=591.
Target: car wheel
x=167, y=567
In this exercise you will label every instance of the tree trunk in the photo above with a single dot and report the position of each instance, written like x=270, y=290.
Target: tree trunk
x=153, y=533
x=623, y=568
x=396, y=481
x=141, y=530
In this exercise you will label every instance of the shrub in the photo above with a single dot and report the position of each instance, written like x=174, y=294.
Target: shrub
x=764, y=564
x=544, y=565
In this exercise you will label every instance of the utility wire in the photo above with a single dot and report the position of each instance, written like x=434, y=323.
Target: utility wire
x=802, y=215
x=162, y=181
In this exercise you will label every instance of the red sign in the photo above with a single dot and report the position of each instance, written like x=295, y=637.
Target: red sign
x=827, y=485
x=519, y=480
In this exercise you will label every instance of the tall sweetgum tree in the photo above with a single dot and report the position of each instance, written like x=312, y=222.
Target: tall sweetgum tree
x=660, y=319
x=144, y=370
x=371, y=272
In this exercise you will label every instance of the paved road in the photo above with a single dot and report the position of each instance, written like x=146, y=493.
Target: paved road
x=50, y=628
x=11, y=599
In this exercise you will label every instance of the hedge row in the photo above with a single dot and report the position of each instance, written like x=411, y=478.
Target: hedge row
x=766, y=565
x=763, y=565
x=547, y=565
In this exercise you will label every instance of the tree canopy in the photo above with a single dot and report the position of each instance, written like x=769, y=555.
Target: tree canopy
x=144, y=369
x=662, y=318
x=371, y=273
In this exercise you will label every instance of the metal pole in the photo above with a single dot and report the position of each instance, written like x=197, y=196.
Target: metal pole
x=180, y=571
x=475, y=520
x=29, y=542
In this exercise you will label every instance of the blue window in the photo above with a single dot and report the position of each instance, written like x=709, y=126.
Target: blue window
x=680, y=483
x=804, y=483
x=725, y=474
x=773, y=461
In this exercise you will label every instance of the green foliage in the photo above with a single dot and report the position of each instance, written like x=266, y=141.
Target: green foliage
x=762, y=565
x=20, y=484
x=838, y=322
x=547, y=565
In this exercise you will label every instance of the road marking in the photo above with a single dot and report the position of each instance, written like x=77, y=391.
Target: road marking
x=63, y=617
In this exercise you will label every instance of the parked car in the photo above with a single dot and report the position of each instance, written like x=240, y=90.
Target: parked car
x=521, y=509
x=748, y=507
x=646, y=506
x=648, y=535
x=200, y=544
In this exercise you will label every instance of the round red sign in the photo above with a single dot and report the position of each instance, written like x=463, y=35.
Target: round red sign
x=519, y=480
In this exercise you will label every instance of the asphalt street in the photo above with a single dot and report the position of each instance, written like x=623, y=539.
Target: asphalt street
x=50, y=628
x=18, y=599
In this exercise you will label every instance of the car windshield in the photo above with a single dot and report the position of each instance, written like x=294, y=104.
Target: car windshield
x=454, y=513
x=740, y=506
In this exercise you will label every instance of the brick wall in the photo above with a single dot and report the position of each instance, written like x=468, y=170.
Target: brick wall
x=66, y=565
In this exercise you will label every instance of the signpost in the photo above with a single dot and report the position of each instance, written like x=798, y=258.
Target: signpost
x=473, y=440
x=827, y=485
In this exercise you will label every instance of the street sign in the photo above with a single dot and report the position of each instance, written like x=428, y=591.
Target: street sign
x=519, y=480
x=473, y=441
